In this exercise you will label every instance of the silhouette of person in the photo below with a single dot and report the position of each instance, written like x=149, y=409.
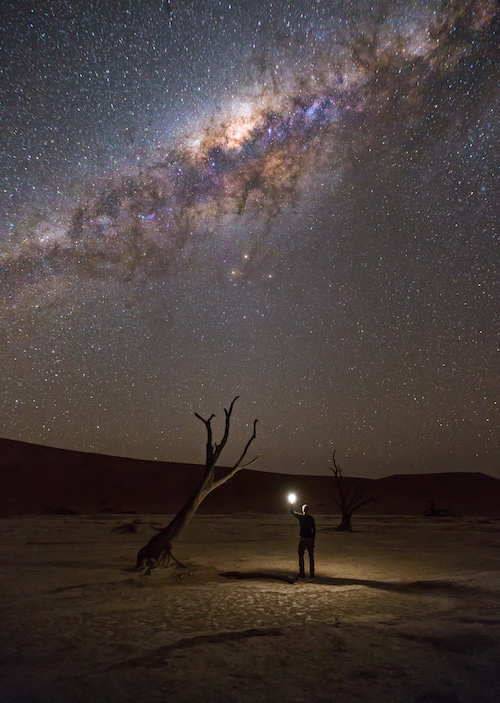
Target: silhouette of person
x=307, y=537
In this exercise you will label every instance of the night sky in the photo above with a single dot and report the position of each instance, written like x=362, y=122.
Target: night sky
x=293, y=202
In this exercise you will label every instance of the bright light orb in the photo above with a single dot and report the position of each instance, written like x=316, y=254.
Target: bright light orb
x=292, y=498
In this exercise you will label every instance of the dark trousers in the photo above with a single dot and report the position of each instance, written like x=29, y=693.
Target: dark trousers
x=306, y=543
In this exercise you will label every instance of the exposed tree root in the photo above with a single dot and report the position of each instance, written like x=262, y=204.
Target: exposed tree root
x=147, y=564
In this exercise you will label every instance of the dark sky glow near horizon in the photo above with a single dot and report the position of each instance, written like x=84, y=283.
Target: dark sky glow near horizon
x=293, y=202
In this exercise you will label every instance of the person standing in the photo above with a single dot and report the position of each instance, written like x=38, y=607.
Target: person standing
x=307, y=538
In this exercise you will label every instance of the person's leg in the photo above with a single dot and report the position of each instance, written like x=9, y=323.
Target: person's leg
x=302, y=549
x=311, y=560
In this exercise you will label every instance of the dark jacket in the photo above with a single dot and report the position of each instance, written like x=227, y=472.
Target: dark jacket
x=307, y=524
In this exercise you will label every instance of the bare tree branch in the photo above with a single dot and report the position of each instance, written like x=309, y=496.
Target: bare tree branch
x=210, y=446
x=238, y=466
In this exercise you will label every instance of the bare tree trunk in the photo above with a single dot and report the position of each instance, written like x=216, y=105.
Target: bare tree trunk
x=345, y=524
x=159, y=548
x=158, y=551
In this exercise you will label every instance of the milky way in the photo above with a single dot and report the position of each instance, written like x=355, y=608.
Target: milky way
x=313, y=231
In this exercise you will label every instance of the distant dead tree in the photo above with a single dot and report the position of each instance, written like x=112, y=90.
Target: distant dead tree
x=158, y=551
x=433, y=511
x=351, y=496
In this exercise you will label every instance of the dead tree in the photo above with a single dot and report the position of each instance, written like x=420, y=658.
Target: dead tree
x=350, y=497
x=158, y=551
x=432, y=511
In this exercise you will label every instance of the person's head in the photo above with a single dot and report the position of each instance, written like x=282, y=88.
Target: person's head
x=305, y=509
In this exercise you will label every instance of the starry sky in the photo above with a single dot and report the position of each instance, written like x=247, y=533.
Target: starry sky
x=292, y=201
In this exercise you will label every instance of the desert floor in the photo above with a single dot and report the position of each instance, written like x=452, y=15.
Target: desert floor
x=402, y=609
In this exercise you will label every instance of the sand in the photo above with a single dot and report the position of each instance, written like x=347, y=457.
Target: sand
x=402, y=609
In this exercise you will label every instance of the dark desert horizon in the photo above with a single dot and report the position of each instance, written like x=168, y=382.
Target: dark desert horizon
x=36, y=479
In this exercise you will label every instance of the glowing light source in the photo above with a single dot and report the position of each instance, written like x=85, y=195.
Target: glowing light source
x=292, y=498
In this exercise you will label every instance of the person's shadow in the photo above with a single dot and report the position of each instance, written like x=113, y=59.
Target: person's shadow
x=395, y=586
